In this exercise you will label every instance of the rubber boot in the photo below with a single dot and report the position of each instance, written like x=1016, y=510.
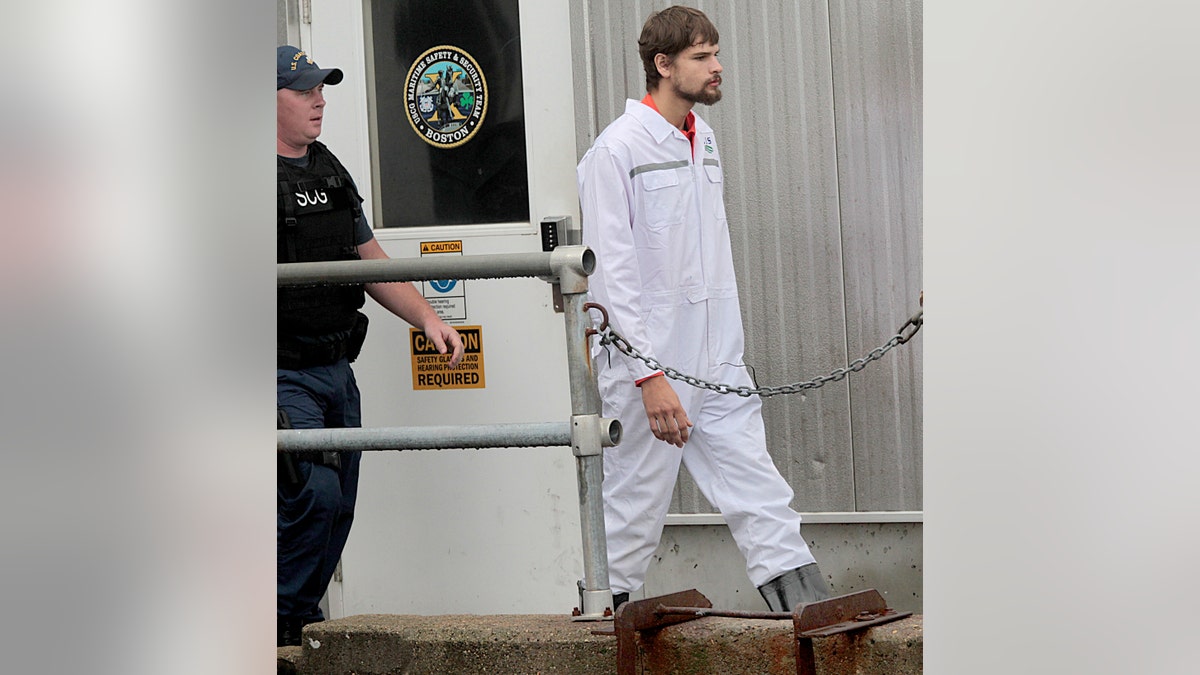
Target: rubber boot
x=619, y=599
x=803, y=584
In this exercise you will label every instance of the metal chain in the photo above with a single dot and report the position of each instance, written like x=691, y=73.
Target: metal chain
x=608, y=336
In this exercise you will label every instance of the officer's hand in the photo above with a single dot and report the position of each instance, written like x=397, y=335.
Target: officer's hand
x=445, y=338
x=668, y=420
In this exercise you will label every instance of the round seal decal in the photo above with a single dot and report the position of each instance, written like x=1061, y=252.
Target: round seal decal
x=445, y=96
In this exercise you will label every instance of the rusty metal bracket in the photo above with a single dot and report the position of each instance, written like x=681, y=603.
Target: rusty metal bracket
x=841, y=614
x=640, y=615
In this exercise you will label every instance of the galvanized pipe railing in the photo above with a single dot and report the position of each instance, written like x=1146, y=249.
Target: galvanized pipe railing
x=587, y=433
x=531, y=435
x=570, y=260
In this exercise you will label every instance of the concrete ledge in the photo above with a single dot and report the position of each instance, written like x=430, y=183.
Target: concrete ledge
x=287, y=660
x=379, y=644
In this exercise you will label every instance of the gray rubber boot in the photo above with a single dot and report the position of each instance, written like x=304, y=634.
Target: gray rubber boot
x=803, y=584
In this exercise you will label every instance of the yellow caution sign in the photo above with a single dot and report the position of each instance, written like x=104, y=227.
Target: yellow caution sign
x=441, y=247
x=431, y=370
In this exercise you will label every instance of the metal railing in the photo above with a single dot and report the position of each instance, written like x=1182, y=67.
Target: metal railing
x=567, y=268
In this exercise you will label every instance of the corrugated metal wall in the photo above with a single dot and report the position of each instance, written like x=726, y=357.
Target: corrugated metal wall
x=820, y=127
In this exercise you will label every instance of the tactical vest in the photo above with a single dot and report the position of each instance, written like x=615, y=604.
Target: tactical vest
x=318, y=207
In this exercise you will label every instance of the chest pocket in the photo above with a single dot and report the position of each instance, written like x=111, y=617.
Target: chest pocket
x=714, y=197
x=712, y=168
x=663, y=196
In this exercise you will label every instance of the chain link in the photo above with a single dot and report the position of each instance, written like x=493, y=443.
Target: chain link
x=608, y=336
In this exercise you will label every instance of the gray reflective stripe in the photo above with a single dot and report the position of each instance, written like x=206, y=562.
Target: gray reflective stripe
x=711, y=162
x=662, y=166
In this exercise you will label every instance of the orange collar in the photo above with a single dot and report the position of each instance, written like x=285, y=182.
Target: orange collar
x=689, y=122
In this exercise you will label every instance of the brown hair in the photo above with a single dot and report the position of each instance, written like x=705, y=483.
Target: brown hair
x=669, y=32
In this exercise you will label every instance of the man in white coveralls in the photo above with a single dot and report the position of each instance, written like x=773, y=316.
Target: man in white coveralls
x=651, y=191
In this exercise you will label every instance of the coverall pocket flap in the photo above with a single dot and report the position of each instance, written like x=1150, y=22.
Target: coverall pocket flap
x=657, y=180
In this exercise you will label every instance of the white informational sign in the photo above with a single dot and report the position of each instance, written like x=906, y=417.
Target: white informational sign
x=448, y=297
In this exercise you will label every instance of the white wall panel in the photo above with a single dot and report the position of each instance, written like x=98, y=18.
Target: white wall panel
x=877, y=80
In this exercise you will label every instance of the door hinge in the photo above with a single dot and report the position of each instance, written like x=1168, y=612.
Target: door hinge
x=306, y=11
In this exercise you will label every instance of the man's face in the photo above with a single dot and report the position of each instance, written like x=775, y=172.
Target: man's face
x=298, y=115
x=696, y=74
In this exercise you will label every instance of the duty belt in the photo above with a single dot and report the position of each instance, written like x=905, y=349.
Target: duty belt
x=295, y=355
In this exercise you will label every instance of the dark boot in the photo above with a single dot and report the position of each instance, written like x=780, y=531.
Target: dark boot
x=803, y=584
x=619, y=599
x=287, y=631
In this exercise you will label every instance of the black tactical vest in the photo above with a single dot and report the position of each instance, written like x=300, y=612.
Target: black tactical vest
x=318, y=206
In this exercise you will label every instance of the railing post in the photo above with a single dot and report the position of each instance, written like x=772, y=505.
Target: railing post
x=587, y=426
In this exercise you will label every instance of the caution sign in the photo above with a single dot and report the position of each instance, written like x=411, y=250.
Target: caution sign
x=431, y=370
x=448, y=297
x=441, y=247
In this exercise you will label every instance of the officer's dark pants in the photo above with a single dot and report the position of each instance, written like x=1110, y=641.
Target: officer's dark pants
x=313, y=518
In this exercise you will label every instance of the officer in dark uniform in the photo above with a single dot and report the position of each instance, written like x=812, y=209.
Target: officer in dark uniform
x=320, y=331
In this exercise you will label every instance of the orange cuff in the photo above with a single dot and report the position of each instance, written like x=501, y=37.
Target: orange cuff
x=648, y=377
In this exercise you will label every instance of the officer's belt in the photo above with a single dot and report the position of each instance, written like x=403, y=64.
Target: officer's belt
x=296, y=355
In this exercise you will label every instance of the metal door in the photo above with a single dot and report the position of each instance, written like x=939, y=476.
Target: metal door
x=460, y=531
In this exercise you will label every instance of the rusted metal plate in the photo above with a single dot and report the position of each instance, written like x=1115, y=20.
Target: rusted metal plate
x=841, y=614
x=817, y=615
x=865, y=620
x=643, y=614
x=637, y=615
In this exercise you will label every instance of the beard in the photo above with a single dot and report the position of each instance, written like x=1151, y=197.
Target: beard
x=702, y=95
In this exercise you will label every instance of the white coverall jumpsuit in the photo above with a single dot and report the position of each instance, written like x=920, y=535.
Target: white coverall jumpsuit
x=655, y=217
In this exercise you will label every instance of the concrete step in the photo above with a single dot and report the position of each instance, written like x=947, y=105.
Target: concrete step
x=386, y=644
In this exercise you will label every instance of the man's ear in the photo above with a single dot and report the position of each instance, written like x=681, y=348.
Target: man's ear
x=663, y=63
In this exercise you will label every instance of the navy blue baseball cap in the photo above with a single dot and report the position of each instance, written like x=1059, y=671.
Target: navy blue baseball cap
x=295, y=70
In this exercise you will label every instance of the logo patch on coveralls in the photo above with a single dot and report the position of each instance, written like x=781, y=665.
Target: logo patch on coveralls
x=445, y=96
